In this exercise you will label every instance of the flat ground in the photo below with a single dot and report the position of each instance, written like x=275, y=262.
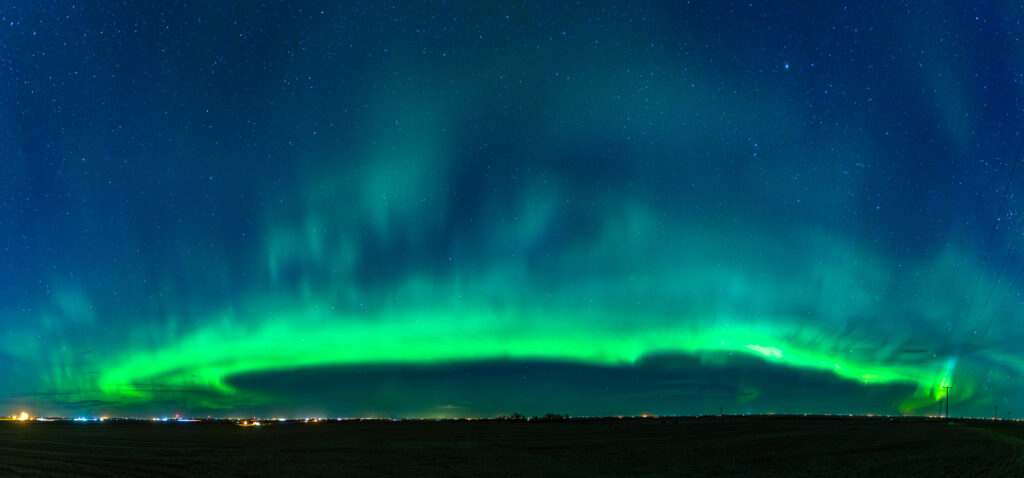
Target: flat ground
x=730, y=446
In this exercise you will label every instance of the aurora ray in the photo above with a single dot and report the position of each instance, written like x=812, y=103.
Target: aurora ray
x=615, y=190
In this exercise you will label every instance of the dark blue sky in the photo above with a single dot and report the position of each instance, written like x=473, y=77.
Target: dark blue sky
x=459, y=208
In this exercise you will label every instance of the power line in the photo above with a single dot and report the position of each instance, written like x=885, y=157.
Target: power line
x=1002, y=267
x=947, y=387
x=1009, y=288
x=995, y=225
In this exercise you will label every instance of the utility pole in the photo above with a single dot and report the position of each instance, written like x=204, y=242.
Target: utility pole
x=995, y=414
x=947, y=400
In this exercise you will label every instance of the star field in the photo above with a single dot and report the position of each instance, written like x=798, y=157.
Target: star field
x=465, y=208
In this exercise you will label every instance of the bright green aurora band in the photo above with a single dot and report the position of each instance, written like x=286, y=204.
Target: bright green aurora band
x=460, y=210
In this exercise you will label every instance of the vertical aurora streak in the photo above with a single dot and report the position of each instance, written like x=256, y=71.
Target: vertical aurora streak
x=460, y=208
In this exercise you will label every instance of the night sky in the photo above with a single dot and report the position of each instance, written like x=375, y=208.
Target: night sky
x=474, y=208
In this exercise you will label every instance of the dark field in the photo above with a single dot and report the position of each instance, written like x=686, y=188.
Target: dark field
x=732, y=446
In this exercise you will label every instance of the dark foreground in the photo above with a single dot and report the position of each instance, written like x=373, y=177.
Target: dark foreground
x=732, y=446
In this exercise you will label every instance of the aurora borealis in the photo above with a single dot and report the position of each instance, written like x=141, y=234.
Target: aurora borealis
x=474, y=208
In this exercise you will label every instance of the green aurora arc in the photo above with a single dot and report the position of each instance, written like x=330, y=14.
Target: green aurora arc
x=207, y=359
x=267, y=191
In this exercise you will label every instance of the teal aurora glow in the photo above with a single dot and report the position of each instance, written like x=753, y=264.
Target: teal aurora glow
x=474, y=208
